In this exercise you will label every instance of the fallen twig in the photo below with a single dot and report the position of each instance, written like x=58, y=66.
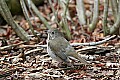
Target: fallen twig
x=34, y=50
x=10, y=46
x=94, y=43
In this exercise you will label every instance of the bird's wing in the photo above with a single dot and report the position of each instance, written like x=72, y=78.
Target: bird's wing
x=58, y=46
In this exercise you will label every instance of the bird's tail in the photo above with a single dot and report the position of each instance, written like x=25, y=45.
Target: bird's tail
x=80, y=59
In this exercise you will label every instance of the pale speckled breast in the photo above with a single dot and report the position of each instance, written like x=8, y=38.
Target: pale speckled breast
x=52, y=54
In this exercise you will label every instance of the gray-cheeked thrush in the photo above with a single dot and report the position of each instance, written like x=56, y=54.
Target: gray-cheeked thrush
x=60, y=49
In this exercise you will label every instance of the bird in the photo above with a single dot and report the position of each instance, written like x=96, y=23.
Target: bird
x=60, y=49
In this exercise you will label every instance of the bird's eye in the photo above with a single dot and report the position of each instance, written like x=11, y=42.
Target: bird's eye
x=52, y=32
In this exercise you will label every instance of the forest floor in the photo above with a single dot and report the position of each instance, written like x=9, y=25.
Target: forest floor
x=30, y=61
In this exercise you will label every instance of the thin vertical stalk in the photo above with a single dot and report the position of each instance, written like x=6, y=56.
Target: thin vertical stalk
x=92, y=26
x=115, y=27
x=81, y=11
x=105, y=15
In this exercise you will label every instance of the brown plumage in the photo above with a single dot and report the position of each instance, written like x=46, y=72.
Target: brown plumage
x=60, y=49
